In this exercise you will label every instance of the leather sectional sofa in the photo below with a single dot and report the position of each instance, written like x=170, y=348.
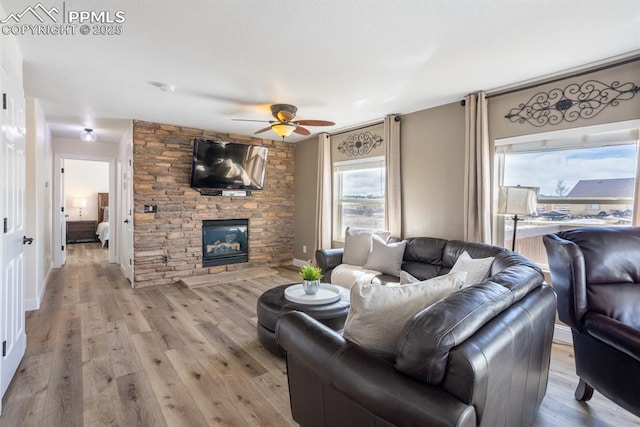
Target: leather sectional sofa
x=477, y=357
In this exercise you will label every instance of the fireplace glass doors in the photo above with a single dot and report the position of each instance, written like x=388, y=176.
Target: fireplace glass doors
x=225, y=242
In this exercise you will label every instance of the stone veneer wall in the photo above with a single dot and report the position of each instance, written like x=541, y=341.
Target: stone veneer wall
x=161, y=173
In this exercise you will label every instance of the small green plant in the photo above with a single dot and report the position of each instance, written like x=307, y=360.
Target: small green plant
x=309, y=272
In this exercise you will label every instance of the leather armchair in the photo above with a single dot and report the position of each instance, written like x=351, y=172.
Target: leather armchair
x=596, y=275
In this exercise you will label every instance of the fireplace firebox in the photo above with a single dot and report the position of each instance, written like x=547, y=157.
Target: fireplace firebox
x=225, y=241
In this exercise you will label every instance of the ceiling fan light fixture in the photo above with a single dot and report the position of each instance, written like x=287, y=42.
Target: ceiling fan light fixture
x=283, y=129
x=88, y=136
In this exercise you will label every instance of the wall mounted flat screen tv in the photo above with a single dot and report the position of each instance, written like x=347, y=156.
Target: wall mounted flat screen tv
x=227, y=165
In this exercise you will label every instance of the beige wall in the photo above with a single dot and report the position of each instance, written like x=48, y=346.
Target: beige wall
x=432, y=161
x=432, y=156
x=306, y=178
x=38, y=204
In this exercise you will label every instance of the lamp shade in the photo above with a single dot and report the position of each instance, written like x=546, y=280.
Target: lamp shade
x=79, y=203
x=518, y=200
x=283, y=129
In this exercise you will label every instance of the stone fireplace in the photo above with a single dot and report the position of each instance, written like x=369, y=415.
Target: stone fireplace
x=225, y=241
x=168, y=242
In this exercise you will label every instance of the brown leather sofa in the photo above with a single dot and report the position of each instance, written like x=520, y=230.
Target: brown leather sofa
x=478, y=357
x=596, y=273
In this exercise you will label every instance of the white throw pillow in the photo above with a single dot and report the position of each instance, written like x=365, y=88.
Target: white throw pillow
x=347, y=275
x=357, y=244
x=477, y=269
x=385, y=257
x=378, y=313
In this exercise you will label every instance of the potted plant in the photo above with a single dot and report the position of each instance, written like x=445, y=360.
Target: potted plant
x=310, y=279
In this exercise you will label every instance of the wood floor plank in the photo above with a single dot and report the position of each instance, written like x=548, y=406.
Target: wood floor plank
x=31, y=384
x=205, y=390
x=100, y=393
x=122, y=352
x=174, y=401
x=245, y=364
x=137, y=406
x=102, y=353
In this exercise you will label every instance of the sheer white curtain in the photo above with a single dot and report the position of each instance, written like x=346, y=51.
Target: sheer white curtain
x=323, y=198
x=393, y=193
x=477, y=173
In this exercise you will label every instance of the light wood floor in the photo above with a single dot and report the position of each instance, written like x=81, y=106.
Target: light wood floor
x=100, y=353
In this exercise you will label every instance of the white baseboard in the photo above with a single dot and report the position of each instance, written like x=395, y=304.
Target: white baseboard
x=562, y=333
x=31, y=304
x=300, y=262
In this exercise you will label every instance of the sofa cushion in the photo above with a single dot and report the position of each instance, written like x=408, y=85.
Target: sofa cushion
x=477, y=269
x=385, y=257
x=357, y=244
x=346, y=275
x=378, y=313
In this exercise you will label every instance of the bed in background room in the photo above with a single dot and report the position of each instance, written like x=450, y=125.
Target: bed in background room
x=102, y=232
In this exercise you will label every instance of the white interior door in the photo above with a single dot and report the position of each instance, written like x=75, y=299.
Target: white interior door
x=12, y=327
x=127, y=215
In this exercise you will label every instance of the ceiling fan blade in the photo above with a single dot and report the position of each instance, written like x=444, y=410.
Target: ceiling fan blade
x=263, y=130
x=250, y=120
x=301, y=131
x=314, y=123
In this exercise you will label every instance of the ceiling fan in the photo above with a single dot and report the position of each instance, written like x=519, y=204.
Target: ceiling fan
x=284, y=125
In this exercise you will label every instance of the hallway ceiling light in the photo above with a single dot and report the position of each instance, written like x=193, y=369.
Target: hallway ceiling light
x=88, y=135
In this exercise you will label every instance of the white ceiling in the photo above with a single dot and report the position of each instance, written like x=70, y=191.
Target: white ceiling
x=345, y=61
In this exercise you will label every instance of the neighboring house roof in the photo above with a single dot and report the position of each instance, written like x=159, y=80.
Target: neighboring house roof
x=616, y=187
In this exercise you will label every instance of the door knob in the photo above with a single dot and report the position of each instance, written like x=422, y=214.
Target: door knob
x=126, y=221
x=27, y=240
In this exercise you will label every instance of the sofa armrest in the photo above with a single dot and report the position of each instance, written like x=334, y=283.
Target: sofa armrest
x=328, y=259
x=566, y=264
x=366, y=379
x=424, y=345
x=618, y=335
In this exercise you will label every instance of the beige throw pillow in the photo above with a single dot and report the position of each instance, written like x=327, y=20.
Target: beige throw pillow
x=385, y=257
x=357, y=244
x=477, y=269
x=378, y=313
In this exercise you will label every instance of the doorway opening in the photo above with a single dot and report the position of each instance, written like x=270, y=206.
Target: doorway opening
x=86, y=202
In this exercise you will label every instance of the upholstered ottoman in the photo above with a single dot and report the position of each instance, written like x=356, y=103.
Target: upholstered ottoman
x=273, y=303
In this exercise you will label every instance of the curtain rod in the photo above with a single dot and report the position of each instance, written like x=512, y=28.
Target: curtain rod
x=356, y=128
x=568, y=76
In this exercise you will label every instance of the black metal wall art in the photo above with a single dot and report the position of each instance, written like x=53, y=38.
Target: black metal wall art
x=576, y=101
x=359, y=144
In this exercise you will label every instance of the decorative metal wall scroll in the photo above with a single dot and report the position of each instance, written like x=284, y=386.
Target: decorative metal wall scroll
x=359, y=144
x=576, y=101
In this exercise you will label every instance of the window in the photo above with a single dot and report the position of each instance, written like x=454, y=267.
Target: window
x=586, y=179
x=358, y=195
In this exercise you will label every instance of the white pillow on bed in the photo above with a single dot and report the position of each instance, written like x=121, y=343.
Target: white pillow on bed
x=105, y=214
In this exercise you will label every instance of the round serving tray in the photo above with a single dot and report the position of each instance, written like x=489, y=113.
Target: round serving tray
x=326, y=294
